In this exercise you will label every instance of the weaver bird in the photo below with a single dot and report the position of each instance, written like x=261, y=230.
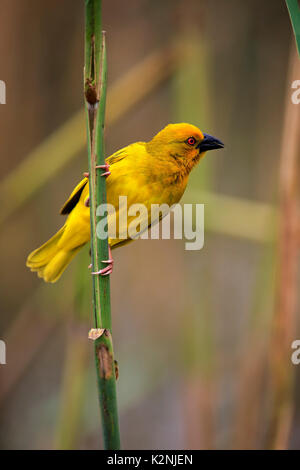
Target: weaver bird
x=154, y=172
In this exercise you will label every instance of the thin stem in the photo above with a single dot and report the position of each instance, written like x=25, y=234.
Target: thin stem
x=95, y=98
x=294, y=11
x=284, y=320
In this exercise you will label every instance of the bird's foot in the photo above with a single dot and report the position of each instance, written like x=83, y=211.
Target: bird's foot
x=109, y=268
x=104, y=167
x=86, y=174
x=106, y=271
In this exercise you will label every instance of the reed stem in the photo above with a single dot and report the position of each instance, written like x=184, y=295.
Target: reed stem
x=294, y=11
x=95, y=99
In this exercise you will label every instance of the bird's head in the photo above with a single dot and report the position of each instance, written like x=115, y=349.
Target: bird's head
x=183, y=142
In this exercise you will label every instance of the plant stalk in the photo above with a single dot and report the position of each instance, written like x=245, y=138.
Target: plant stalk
x=294, y=12
x=95, y=99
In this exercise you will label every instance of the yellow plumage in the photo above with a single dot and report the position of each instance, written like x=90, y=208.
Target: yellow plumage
x=154, y=172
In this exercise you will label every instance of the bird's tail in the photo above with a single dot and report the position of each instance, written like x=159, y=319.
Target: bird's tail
x=49, y=260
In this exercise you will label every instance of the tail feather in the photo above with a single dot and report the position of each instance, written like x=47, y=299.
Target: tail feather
x=49, y=260
x=44, y=253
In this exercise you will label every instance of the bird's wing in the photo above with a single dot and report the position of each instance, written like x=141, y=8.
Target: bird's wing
x=73, y=198
x=76, y=193
x=117, y=156
x=143, y=185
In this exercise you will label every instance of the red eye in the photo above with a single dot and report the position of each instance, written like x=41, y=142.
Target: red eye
x=191, y=141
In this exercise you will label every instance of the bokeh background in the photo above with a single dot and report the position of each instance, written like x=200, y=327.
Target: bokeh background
x=203, y=339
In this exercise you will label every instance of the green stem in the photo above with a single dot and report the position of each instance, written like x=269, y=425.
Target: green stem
x=294, y=11
x=106, y=379
x=95, y=98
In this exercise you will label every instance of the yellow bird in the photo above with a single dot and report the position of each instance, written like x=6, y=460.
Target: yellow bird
x=154, y=172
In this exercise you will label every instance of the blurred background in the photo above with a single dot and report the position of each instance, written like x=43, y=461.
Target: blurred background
x=202, y=338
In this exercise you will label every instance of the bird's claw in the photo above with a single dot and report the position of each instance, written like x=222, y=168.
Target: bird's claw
x=105, y=271
x=104, y=167
x=109, y=268
x=86, y=174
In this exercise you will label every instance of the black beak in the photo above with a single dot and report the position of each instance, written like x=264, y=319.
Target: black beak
x=210, y=143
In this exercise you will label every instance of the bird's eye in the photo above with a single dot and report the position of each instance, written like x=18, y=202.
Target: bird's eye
x=191, y=141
